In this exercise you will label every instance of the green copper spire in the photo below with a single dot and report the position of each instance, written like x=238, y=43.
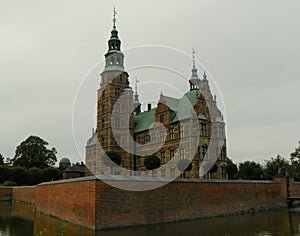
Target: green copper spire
x=194, y=80
x=114, y=58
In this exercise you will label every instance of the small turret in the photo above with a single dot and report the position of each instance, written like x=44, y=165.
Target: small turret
x=194, y=80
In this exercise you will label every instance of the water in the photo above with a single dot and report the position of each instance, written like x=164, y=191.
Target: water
x=20, y=220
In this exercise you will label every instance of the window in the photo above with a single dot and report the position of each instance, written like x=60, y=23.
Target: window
x=117, y=122
x=146, y=138
x=117, y=92
x=102, y=141
x=181, y=131
x=172, y=172
x=103, y=94
x=171, y=131
x=172, y=155
x=118, y=108
x=103, y=108
x=102, y=123
x=161, y=118
x=146, y=173
x=203, y=129
x=153, y=137
x=162, y=135
x=181, y=153
x=163, y=173
x=204, y=152
x=199, y=152
x=154, y=173
x=163, y=156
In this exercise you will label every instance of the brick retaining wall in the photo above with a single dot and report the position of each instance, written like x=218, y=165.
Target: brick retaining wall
x=95, y=204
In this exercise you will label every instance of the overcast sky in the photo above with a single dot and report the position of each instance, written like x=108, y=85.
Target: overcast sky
x=251, y=48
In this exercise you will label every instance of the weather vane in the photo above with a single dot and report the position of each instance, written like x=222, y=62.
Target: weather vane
x=114, y=18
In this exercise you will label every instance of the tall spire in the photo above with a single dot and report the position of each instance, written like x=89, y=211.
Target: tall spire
x=194, y=80
x=114, y=17
x=136, y=102
x=114, y=58
x=136, y=96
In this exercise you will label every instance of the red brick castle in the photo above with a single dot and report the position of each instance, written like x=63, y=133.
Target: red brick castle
x=190, y=127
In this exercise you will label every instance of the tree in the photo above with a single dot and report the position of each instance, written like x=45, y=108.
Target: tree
x=152, y=162
x=4, y=173
x=34, y=176
x=33, y=153
x=276, y=167
x=1, y=159
x=231, y=169
x=295, y=164
x=114, y=157
x=19, y=175
x=250, y=170
x=50, y=174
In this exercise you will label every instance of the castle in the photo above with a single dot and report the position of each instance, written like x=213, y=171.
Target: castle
x=190, y=127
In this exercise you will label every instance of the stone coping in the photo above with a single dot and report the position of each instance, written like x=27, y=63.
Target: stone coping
x=152, y=179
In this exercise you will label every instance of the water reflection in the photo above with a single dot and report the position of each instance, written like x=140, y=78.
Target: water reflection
x=20, y=219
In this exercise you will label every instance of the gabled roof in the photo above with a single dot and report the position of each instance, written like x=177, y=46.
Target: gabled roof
x=182, y=109
x=93, y=140
x=79, y=168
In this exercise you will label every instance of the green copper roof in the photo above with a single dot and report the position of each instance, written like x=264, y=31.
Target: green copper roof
x=182, y=109
x=191, y=96
x=65, y=161
x=144, y=120
x=114, y=68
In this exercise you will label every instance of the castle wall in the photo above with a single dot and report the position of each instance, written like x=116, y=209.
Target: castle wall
x=94, y=204
x=24, y=194
x=5, y=194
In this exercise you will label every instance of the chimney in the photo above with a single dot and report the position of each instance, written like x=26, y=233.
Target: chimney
x=149, y=106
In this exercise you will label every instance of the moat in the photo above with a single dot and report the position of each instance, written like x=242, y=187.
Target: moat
x=20, y=219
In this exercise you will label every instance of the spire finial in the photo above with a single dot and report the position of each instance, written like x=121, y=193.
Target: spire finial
x=193, y=52
x=204, y=75
x=114, y=16
x=136, y=84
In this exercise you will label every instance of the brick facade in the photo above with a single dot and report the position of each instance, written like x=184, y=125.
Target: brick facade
x=190, y=127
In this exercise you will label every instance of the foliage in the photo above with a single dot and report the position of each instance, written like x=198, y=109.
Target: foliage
x=18, y=175
x=33, y=176
x=1, y=159
x=295, y=164
x=152, y=162
x=4, y=173
x=33, y=153
x=276, y=167
x=231, y=169
x=250, y=170
x=10, y=183
x=50, y=174
x=113, y=156
x=42, y=233
x=184, y=165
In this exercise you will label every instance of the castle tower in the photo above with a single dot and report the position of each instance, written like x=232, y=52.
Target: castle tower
x=194, y=80
x=115, y=102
